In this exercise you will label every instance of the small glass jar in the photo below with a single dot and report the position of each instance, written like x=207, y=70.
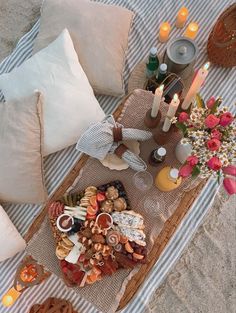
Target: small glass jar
x=157, y=156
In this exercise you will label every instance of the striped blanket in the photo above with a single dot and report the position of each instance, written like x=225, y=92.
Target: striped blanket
x=148, y=15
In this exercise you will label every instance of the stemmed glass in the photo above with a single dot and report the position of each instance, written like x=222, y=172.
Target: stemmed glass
x=143, y=181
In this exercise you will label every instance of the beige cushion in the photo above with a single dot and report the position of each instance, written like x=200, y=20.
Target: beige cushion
x=21, y=136
x=100, y=36
x=70, y=106
x=9, y=234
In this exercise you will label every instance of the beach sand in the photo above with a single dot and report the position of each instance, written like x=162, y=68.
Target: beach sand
x=204, y=279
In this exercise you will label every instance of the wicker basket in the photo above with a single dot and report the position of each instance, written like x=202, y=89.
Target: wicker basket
x=221, y=46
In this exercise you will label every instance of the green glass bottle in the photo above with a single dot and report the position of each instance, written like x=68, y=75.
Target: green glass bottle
x=162, y=73
x=152, y=64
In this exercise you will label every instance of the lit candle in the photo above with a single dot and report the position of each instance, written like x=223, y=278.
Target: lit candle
x=10, y=297
x=157, y=101
x=196, y=85
x=181, y=17
x=164, y=32
x=171, y=112
x=191, y=31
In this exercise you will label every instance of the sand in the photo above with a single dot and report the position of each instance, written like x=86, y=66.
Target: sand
x=204, y=279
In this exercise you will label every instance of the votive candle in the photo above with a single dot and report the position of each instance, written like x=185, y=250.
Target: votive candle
x=181, y=17
x=171, y=112
x=164, y=32
x=157, y=101
x=191, y=31
x=196, y=86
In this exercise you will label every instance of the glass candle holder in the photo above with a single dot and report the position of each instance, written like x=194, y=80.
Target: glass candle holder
x=164, y=32
x=191, y=31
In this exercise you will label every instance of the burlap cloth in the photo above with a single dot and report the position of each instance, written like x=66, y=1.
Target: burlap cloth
x=106, y=294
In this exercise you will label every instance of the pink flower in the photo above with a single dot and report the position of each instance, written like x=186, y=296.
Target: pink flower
x=226, y=119
x=214, y=163
x=230, y=185
x=210, y=102
x=229, y=170
x=185, y=170
x=192, y=160
x=211, y=121
x=213, y=144
x=216, y=134
x=183, y=117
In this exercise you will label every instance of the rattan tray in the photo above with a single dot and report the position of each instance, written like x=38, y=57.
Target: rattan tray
x=168, y=230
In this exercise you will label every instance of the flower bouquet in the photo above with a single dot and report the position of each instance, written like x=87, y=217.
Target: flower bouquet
x=210, y=130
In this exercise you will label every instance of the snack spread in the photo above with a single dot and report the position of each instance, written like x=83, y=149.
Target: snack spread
x=96, y=233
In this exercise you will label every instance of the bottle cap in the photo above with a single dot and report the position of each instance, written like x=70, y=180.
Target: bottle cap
x=153, y=51
x=161, y=151
x=163, y=68
x=174, y=173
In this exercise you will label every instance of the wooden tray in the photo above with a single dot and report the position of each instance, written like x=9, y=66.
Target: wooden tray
x=167, y=232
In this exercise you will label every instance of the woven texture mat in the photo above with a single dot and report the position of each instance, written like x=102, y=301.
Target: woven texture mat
x=106, y=294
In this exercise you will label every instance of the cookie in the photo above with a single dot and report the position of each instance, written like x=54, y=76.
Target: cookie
x=61, y=252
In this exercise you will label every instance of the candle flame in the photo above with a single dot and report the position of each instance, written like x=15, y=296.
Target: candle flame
x=175, y=97
x=7, y=300
x=206, y=66
x=165, y=26
x=193, y=27
x=183, y=11
x=161, y=87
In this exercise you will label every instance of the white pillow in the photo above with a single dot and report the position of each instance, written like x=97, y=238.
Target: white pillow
x=70, y=104
x=11, y=241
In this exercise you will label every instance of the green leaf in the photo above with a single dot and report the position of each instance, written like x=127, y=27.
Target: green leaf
x=199, y=101
x=182, y=127
x=196, y=171
x=216, y=105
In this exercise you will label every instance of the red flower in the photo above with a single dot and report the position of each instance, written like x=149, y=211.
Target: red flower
x=210, y=102
x=213, y=144
x=214, y=163
x=216, y=134
x=186, y=170
x=211, y=121
x=229, y=170
x=192, y=160
x=183, y=117
x=230, y=185
x=226, y=119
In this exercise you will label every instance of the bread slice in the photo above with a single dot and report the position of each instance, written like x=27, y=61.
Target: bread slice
x=129, y=219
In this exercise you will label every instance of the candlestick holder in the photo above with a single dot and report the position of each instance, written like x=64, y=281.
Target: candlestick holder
x=152, y=122
x=161, y=137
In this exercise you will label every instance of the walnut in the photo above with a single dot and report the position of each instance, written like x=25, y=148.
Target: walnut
x=97, y=238
x=107, y=206
x=120, y=204
x=87, y=232
x=112, y=193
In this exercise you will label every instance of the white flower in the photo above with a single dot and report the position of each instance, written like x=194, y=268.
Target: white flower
x=174, y=120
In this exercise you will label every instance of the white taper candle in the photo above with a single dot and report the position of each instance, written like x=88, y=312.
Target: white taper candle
x=196, y=86
x=157, y=101
x=171, y=112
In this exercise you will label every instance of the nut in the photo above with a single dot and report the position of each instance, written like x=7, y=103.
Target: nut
x=128, y=247
x=112, y=193
x=120, y=204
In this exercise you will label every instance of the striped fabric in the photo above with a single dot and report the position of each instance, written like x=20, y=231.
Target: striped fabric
x=220, y=82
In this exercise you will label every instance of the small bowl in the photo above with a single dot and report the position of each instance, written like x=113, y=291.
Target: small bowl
x=59, y=220
x=108, y=216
